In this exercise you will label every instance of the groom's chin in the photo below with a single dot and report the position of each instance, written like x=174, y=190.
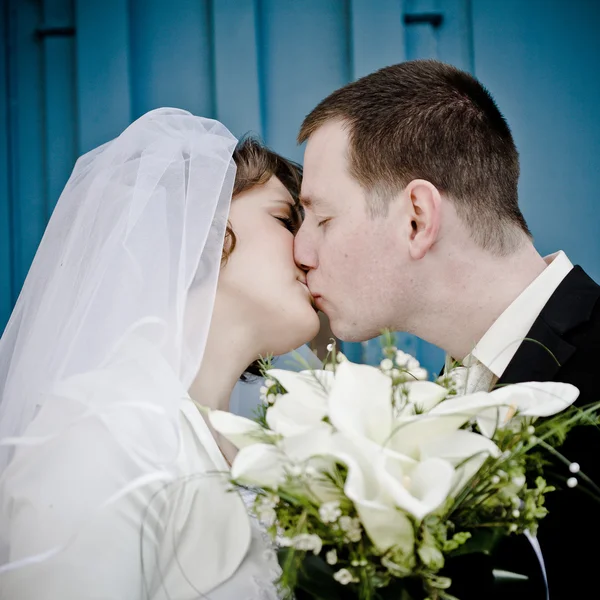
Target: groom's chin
x=350, y=332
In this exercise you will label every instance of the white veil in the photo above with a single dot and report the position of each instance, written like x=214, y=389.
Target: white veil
x=132, y=252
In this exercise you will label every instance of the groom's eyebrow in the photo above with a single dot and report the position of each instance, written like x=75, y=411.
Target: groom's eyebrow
x=307, y=201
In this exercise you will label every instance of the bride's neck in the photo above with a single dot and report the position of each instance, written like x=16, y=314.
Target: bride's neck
x=230, y=348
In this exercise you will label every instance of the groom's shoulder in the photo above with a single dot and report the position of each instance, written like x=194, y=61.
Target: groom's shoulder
x=574, y=308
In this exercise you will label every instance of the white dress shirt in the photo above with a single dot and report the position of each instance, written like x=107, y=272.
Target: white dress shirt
x=500, y=343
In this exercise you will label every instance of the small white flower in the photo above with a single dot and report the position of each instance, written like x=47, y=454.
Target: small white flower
x=572, y=482
x=518, y=481
x=351, y=527
x=284, y=541
x=495, y=480
x=263, y=393
x=266, y=515
x=331, y=557
x=574, y=467
x=531, y=430
x=308, y=542
x=330, y=512
x=330, y=347
x=419, y=374
x=310, y=471
x=344, y=577
x=402, y=359
x=516, y=513
x=295, y=471
x=269, y=383
x=412, y=364
x=269, y=501
x=386, y=365
x=513, y=527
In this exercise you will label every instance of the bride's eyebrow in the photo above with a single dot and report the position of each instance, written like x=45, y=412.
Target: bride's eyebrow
x=296, y=209
x=289, y=203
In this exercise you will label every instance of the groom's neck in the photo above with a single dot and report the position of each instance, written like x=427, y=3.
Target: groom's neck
x=469, y=292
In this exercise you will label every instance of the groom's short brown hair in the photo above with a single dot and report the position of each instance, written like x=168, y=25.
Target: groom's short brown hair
x=428, y=120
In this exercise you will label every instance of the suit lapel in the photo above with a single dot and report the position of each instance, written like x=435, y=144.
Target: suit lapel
x=539, y=356
x=545, y=349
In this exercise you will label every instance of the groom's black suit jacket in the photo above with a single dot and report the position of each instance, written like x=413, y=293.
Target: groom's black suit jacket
x=568, y=326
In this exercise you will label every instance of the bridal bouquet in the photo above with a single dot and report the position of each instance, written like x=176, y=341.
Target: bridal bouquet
x=372, y=479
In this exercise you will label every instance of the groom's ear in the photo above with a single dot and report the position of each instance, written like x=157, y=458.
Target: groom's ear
x=425, y=206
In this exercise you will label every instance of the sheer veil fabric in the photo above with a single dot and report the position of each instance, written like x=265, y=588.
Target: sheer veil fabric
x=127, y=269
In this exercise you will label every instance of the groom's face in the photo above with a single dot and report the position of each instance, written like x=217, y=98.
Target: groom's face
x=352, y=258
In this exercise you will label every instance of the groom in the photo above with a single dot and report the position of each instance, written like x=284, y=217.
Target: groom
x=412, y=223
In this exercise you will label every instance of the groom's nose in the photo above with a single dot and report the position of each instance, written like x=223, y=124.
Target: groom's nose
x=305, y=253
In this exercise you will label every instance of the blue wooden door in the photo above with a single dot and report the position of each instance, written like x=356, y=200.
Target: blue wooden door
x=74, y=73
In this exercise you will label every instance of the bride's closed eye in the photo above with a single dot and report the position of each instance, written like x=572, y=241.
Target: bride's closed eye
x=289, y=223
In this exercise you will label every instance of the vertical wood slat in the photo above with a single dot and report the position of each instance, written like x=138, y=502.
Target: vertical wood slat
x=237, y=69
x=377, y=35
x=29, y=201
x=456, y=39
x=304, y=52
x=422, y=39
x=60, y=143
x=103, y=82
x=171, y=58
x=5, y=187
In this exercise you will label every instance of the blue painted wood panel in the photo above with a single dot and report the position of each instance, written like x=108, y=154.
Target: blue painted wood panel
x=171, y=56
x=238, y=89
x=540, y=61
x=102, y=78
x=6, y=295
x=29, y=208
x=60, y=100
x=304, y=56
x=262, y=65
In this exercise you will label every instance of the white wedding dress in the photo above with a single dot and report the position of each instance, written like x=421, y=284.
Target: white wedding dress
x=183, y=538
x=111, y=485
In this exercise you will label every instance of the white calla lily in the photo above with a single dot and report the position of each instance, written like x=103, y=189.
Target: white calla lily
x=318, y=441
x=385, y=525
x=464, y=450
x=314, y=449
x=261, y=465
x=303, y=383
x=241, y=432
x=424, y=395
x=294, y=413
x=360, y=402
x=419, y=490
x=531, y=399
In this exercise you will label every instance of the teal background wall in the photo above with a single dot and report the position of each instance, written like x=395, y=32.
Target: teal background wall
x=74, y=73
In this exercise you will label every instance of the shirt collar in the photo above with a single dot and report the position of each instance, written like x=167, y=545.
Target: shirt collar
x=500, y=343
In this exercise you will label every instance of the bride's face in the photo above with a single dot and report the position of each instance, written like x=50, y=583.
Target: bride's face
x=260, y=279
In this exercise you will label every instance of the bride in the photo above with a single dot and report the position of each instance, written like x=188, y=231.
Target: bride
x=149, y=295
